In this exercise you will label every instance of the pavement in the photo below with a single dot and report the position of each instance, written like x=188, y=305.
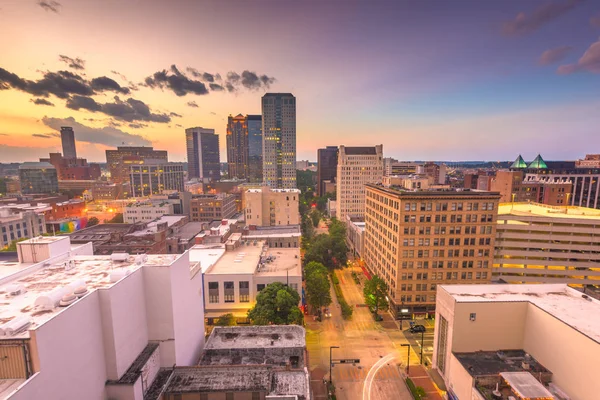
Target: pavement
x=420, y=377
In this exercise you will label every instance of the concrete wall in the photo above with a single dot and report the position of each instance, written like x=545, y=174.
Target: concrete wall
x=461, y=382
x=570, y=356
x=68, y=351
x=124, y=323
x=125, y=392
x=236, y=279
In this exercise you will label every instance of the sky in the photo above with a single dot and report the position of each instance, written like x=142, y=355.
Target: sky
x=430, y=80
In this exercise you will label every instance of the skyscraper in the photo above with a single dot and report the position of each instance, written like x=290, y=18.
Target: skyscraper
x=279, y=140
x=327, y=160
x=255, y=143
x=237, y=147
x=203, y=154
x=67, y=137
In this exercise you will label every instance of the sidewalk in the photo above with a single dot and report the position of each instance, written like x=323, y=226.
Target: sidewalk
x=420, y=377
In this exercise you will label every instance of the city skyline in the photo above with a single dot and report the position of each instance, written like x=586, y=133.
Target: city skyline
x=433, y=81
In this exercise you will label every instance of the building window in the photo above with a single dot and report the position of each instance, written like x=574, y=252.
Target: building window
x=260, y=287
x=229, y=292
x=472, y=316
x=244, y=292
x=441, y=347
x=213, y=292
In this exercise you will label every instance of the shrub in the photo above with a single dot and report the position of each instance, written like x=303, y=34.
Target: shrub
x=416, y=393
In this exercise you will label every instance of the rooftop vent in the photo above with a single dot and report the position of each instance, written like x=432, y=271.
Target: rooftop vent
x=15, y=326
x=80, y=291
x=119, y=257
x=15, y=289
x=67, y=300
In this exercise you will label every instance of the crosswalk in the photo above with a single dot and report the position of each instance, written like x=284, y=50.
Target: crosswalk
x=347, y=373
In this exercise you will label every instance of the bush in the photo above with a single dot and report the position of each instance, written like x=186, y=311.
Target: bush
x=335, y=279
x=347, y=310
x=418, y=392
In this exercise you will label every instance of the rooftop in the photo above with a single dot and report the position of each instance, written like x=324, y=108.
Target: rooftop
x=153, y=226
x=543, y=210
x=273, y=231
x=250, y=337
x=370, y=151
x=207, y=255
x=435, y=192
x=526, y=386
x=565, y=304
x=36, y=165
x=188, y=231
x=483, y=363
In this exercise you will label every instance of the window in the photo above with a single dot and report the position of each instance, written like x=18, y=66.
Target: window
x=441, y=345
x=244, y=291
x=213, y=292
x=260, y=287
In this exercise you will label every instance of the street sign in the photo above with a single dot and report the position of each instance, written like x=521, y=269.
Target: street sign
x=346, y=361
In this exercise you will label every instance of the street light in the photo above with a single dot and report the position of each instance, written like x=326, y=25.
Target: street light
x=330, y=363
x=407, y=345
x=422, y=334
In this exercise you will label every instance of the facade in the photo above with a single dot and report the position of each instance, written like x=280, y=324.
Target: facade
x=119, y=161
x=355, y=229
x=271, y=207
x=356, y=167
x=67, y=137
x=111, y=191
x=237, y=147
x=96, y=327
x=412, y=182
x=146, y=211
x=327, y=160
x=515, y=186
x=279, y=140
x=255, y=148
x=261, y=362
x=15, y=225
x=274, y=236
x=235, y=272
x=395, y=167
x=69, y=169
x=416, y=240
x=512, y=338
x=203, y=157
x=436, y=172
x=211, y=207
x=537, y=243
x=38, y=177
x=155, y=177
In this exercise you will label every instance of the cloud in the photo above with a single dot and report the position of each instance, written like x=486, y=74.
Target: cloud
x=120, y=75
x=137, y=126
x=192, y=104
x=215, y=87
x=176, y=81
x=53, y=6
x=60, y=84
x=179, y=125
x=87, y=103
x=108, y=136
x=554, y=55
x=42, y=102
x=595, y=21
x=172, y=114
x=129, y=110
x=523, y=23
x=105, y=83
x=252, y=81
x=590, y=61
x=45, y=135
x=213, y=113
x=75, y=63
x=205, y=76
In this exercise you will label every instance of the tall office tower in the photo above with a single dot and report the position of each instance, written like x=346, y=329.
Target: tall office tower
x=67, y=137
x=154, y=176
x=255, y=148
x=38, y=177
x=203, y=154
x=119, y=161
x=356, y=167
x=279, y=140
x=237, y=147
x=327, y=160
x=417, y=239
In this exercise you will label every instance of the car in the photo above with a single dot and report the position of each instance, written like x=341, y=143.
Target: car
x=417, y=329
x=327, y=313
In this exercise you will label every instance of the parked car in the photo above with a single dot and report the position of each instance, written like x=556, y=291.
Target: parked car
x=417, y=329
x=327, y=313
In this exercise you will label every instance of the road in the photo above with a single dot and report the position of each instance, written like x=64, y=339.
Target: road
x=360, y=338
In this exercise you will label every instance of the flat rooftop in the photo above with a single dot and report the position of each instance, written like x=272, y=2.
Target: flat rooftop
x=251, y=337
x=526, y=386
x=206, y=255
x=188, y=231
x=565, y=304
x=283, y=260
x=435, y=192
x=542, y=210
x=37, y=280
x=485, y=363
x=273, y=231
x=153, y=226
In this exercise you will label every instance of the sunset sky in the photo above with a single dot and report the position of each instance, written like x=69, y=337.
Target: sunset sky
x=430, y=80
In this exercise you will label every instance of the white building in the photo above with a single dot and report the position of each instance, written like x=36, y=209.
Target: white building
x=18, y=225
x=271, y=207
x=145, y=211
x=531, y=340
x=279, y=140
x=235, y=272
x=78, y=326
x=356, y=167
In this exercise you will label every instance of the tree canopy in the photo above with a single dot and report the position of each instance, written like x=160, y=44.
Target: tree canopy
x=276, y=304
x=328, y=250
x=375, y=292
x=92, y=221
x=226, y=320
x=318, y=293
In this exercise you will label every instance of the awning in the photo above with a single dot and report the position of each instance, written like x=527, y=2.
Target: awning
x=437, y=379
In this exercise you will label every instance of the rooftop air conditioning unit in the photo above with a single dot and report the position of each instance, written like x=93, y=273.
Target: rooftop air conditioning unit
x=119, y=257
x=17, y=325
x=15, y=289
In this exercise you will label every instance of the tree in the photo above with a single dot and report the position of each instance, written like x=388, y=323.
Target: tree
x=375, y=292
x=308, y=231
x=328, y=250
x=318, y=293
x=314, y=267
x=117, y=219
x=13, y=245
x=276, y=304
x=92, y=221
x=226, y=320
x=315, y=216
x=337, y=229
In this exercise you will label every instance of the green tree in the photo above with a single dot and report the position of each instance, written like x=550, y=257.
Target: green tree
x=375, y=292
x=226, y=320
x=314, y=267
x=92, y=221
x=315, y=216
x=337, y=229
x=276, y=304
x=318, y=293
x=328, y=250
x=117, y=219
x=305, y=180
x=308, y=231
x=13, y=245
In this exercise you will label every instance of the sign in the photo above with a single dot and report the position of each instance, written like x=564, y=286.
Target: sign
x=346, y=361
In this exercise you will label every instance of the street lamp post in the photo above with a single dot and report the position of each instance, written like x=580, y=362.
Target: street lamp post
x=408, y=360
x=330, y=363
x=422, y=334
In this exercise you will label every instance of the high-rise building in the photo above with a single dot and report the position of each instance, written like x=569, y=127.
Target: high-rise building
x=356, y=167
x=272, y=207
x=255, y=148
x=327, y=160
x=38, y=177
x=70, y=169
x=153, y=177
x=19, y=224
x=237, y=147
x=514, y=187
x=279, y=140
x=120, y=160
x=67, y=137
x=203, y=154
x=417, y=239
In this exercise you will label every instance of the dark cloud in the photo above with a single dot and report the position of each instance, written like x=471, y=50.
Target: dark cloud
x=233, y=77
x=590, y=61
x=595, y=21
x=215, y=87
x=53, y=6
x=172, y=114
x=554, y=55
x=251, y=80
x=229, y=86
x=42, y=102
x=61, y=84
x=75, y=63
x=137, y=126
x=108, y=136
x=192, y=104
x=174, y=80
x=87, y=103
x=205, y=76
x=4, y=134
x=105, y=83
x=523, y=23
x=129, y=110
x=45, y=135
x=179, y=125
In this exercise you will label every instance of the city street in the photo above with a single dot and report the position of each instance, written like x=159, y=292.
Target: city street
x=360, y=338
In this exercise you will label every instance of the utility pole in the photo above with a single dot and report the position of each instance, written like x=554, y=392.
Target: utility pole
x=422, y=334
x=407, y=345
x=330, y=361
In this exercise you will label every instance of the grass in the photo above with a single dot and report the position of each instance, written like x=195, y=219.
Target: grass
x=347, y=310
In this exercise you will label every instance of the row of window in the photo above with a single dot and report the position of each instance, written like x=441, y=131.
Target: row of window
x=442, y=218
x=438, y=276
x=458, y=206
